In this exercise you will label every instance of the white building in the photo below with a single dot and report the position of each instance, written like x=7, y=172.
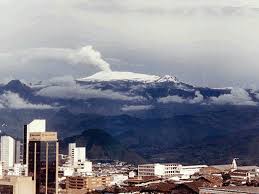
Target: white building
x=77, y=154
x=169, y=170
x=17, y=170
x=71, y=149
x=37, y=125
x=118, y=179
x=163, y=170
x=85, y=168
x=8, y=150
x=187, y=171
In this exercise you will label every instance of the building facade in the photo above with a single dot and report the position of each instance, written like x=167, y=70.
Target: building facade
x=76, y=154
x=43, y=161
x=87, y=183
x=8, y=151
x=17, y=185
x=163, y=170
x=36, y=125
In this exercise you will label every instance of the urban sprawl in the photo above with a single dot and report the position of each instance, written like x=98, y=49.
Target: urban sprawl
x=34, y=166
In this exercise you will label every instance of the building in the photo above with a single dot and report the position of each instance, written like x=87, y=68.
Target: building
x=79, y=184
x=77, y=154
x=8, y=151
x=225, y=190
x=1, y=168
x=187, y=171
x=17, y=152
x=17, y=185
x=17, y=170
x=43, y=161
x=36, y=125
x=71, y=149
x=163, y=170
x=84, y=168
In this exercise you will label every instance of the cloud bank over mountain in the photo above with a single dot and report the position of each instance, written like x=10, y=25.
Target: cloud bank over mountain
x=12, y=100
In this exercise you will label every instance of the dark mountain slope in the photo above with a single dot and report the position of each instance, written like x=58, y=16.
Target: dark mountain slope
x=199, y=138
x=101, y=145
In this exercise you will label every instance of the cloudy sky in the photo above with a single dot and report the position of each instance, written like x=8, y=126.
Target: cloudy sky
x=204, y=42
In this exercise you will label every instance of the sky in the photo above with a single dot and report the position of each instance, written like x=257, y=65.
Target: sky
x=202, y=42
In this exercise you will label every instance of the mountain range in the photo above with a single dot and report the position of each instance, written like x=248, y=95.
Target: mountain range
x=144, y=117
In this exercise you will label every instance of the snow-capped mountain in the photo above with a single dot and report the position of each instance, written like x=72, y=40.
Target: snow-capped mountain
x=168, y=78
x=134, y=107
x=113, y=92
x=126, y=76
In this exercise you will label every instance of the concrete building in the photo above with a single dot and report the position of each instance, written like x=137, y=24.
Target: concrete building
x=163, y=170
x=84, y=168
x=168, y=170
x=36, y=125
x=77, y=154
x=71, y=151
x=8, y=150
x=187, y=171
x=43, y=161
x=17, y=151
x=79, y=184
x=17, y=185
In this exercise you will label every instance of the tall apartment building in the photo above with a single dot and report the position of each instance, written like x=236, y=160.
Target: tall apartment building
x=36, y=125
x=43, y=161
x=7, y=151
x=77, y=154
x=164, y=170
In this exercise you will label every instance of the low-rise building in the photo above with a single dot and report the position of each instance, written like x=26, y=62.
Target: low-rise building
x=80, y=184
x=187, y=171
x=17, y=185
x=163, y=170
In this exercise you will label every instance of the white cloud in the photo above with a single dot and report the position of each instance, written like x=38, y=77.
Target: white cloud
x=67, y=81
x=14, y=101
x=178, y=99
x=82, y=56
x=197, y=99
x=127, y=108
x=79, y=92
x=238, y=96
x=171, y=99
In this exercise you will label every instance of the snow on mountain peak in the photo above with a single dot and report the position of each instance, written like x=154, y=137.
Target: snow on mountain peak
x=119, y=75
x=168, y=78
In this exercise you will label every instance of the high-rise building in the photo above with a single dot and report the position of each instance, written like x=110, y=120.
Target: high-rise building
x=17, y=152
x=36, y=125
x=71, y=151
x=77, y=154
x=43, y=161
x=8, y=150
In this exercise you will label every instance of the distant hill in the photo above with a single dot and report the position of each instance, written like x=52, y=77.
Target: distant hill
x=101, y=145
